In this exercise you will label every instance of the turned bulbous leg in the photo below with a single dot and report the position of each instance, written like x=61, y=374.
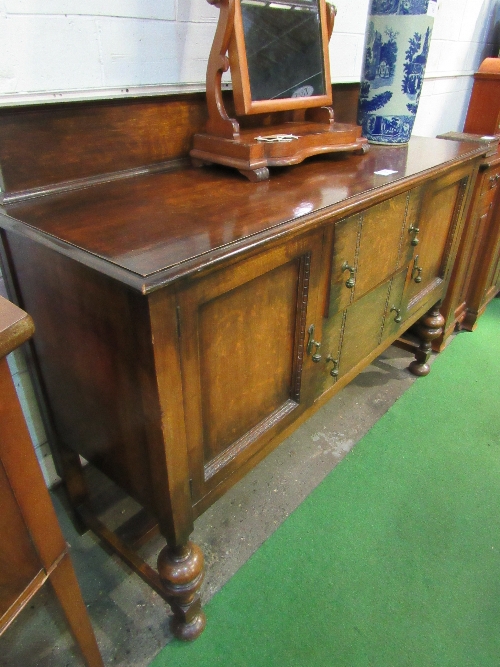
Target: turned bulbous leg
x=429, y=327
x=181, y=571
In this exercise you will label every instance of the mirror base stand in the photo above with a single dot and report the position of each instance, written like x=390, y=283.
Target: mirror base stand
x=312, y=129
x=253, y=151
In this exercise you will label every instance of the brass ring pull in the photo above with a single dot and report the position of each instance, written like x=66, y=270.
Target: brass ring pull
x=335, y=370
x=493, y=180
x=313, y=344
x=415, y=231
x=350, y=282
x=417, y=270
x=398, y=317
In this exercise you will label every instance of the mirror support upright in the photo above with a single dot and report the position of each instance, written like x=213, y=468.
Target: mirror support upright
x=219, y=123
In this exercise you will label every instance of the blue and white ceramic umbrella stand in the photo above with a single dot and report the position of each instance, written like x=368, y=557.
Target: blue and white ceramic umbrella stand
x=396, y=50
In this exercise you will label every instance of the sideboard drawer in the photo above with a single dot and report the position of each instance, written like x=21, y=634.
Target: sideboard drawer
x=370, y=246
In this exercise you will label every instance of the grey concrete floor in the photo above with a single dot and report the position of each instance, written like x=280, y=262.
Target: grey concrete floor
x=131, y=621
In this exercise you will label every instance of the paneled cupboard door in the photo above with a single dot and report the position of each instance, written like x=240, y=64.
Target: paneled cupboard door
x=442, y=206
x=246, y=371
x=352, y=334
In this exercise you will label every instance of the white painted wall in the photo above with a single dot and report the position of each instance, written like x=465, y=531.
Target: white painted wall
x=465, y=32
x=74, y=49
x=85, y=49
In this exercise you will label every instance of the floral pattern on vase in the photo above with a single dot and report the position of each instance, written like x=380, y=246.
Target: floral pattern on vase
x=396, y=50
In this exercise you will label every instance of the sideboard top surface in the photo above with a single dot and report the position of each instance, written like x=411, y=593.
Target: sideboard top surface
x=149, y=230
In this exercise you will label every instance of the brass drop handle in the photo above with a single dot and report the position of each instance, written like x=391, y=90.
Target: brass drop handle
x=415, y=231
x=313, y=344
x=398, y=317
x=350, y=282
x=335, y=370
x=417, y=270
x=493, y=180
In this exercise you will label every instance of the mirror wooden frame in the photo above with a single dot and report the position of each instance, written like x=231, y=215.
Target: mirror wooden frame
x=309, y=130
x=243, y=101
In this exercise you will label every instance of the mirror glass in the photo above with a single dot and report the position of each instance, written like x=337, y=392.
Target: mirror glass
x=284, y=48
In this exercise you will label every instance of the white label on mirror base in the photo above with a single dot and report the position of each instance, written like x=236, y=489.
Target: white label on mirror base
x=385, y=172
x=277, y=138
x=488, y=138
x=432, y=8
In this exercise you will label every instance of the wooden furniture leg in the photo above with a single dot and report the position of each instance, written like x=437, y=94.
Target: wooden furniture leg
x=181, y=571
x=65, y=586
x=429, y=327
x=178, y=580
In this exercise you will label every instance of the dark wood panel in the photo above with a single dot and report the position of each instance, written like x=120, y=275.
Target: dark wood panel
x=246, y=355
x=58, y=143
x=345, y=102
x=91, y=319
x=94, y=138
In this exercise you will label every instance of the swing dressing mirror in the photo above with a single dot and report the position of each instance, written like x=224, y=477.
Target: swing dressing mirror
x=277, y=51
x=279, y=55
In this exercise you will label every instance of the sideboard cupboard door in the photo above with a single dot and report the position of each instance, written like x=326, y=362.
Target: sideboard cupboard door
x=351, y=335
x=443, y=202
x=244, y=333
x=370, y=246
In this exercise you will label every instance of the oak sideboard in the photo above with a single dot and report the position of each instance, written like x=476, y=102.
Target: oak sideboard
x=187, y=320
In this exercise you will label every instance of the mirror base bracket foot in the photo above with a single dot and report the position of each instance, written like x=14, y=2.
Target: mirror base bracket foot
x=256, y=175
x=283, y=145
